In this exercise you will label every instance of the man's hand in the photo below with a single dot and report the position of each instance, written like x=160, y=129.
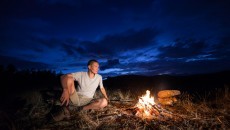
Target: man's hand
x=65, y=97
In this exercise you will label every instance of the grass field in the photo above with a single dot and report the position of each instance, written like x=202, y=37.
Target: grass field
x=192, y=111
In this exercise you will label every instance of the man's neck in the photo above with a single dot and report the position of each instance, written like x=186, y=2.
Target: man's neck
x=91, y=75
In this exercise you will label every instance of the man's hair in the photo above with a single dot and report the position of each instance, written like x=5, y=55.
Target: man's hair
x=91, y=62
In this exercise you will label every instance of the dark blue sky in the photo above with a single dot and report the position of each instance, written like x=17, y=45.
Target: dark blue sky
x=147, y=37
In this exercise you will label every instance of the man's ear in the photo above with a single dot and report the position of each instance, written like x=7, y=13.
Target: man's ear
x=88, y=66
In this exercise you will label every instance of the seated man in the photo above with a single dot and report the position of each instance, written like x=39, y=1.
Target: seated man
x=81, y=98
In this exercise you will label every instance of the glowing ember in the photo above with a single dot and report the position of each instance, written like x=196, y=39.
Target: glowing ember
x=145, y=106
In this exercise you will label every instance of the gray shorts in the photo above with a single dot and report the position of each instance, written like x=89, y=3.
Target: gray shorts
x=79, y=100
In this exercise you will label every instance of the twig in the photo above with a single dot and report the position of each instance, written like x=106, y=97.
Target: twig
x=117, y=100
x=219, y=120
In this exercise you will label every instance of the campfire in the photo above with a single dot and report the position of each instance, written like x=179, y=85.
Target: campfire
x=146, y=108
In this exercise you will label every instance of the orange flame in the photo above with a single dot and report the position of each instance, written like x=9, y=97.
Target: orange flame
x=145, y=105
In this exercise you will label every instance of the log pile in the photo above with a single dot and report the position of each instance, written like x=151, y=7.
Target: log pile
x=168, y=97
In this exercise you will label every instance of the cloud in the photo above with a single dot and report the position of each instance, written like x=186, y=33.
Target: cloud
x=122, y=42
x=183, y=49
x=222, y=49
x=107, y=47
x=176, y=67
x=111, y=63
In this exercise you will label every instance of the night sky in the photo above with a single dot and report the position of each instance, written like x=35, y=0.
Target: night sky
x=144, y=37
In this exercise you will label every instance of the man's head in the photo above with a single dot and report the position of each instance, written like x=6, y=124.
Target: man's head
x=93, y=66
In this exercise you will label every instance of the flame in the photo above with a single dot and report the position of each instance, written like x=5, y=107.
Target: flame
x=145, y=105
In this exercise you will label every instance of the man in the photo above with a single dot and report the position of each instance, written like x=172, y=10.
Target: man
x=81, y=98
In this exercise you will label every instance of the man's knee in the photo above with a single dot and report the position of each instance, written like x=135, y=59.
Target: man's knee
x=104, y=103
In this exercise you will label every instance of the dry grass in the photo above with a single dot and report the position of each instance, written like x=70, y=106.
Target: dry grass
x=209, y=112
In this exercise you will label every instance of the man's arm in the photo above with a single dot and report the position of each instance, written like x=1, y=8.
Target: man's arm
x=104, y=93
x=64, y=79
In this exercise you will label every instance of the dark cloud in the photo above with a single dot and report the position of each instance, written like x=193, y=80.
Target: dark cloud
x=222, y=49
x=46, y=42
x=177, y=67
x=69, y=49
x=73, y=50
x=109, y=46
x=111, y=63
x=183, y=49
x=126, y=41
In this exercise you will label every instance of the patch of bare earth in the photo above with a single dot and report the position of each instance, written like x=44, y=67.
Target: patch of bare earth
x=121, y=114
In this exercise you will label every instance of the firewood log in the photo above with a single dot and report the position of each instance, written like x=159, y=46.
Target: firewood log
x=168, y=93
x=167, y=101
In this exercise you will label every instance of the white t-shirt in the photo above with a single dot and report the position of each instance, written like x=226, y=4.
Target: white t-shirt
x=87, y=86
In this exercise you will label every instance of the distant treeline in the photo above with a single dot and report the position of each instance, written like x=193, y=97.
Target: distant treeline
x=15, y=80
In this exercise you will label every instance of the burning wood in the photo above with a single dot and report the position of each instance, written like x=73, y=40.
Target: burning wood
x=147, y=108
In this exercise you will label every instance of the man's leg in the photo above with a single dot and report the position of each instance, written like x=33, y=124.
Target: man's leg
x=63, y=112
x=97, y=104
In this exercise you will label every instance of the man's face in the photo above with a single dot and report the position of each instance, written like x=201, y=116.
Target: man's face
x=94, y=67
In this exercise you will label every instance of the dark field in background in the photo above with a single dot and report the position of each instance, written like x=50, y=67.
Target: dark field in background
x=199, y=83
